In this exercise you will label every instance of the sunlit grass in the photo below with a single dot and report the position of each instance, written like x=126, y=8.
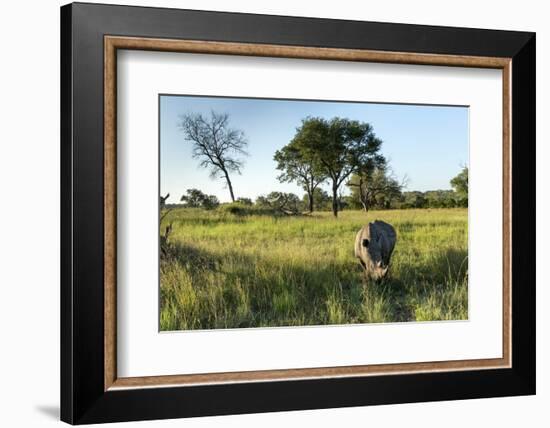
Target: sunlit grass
x=229, y=271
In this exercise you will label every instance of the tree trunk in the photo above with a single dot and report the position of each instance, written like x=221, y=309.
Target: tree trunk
x=365, y=200
x=334, y=199
x=310, y=198
x=229, y=185
x=362, y=196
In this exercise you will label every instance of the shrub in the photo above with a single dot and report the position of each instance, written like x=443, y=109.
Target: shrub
x=235, y=208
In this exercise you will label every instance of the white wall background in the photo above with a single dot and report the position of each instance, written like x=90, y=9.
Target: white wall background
x=29, y=218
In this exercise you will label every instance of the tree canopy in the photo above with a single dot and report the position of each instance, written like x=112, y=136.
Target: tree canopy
x=460, y=186
x=295, y=166
x=375, y=186
x=194, y=198
x=337, y=147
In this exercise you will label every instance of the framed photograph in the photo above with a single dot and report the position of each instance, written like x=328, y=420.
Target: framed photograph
x=266, y=213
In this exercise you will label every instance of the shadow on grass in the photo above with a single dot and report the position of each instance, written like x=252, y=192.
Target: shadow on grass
x=450, y=263
x=445, y=268
x=235, y=289
x=189, y=257
x=290, y=294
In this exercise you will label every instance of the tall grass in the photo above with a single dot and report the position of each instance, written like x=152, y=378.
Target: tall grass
x=230, y=271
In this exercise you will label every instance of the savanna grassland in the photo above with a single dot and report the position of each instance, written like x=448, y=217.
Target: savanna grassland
x=221, y=270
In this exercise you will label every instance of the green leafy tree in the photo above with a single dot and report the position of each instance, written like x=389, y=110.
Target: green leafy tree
x=286, y=203
x=414, y=199
x=216, y=144
x=262, y=202
x=298, y=168
x=245, y=201
x=337, y=148
x=460, y=186
x=194, y=198
x=375, y=185
x=321, y=200
x=211, y=202
x=441, y=198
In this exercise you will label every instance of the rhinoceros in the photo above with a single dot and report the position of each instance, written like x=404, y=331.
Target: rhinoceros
x=374, y=245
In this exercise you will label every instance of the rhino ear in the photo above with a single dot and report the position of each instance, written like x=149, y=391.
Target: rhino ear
x=365, y=243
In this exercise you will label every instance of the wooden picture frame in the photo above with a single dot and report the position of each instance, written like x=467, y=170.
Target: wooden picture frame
x=91, y=390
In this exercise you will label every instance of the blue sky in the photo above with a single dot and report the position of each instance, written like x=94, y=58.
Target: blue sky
x=429, y=144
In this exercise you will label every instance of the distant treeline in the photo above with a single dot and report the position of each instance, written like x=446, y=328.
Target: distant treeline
x=290, y=203
x=335, y=153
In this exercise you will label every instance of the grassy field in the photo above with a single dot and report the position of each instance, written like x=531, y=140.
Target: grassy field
x=228, y=271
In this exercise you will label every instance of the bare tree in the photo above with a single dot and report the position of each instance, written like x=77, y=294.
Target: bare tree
x=216, y=144
x=380, y=181
x=163, y=200
x=164, y=212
